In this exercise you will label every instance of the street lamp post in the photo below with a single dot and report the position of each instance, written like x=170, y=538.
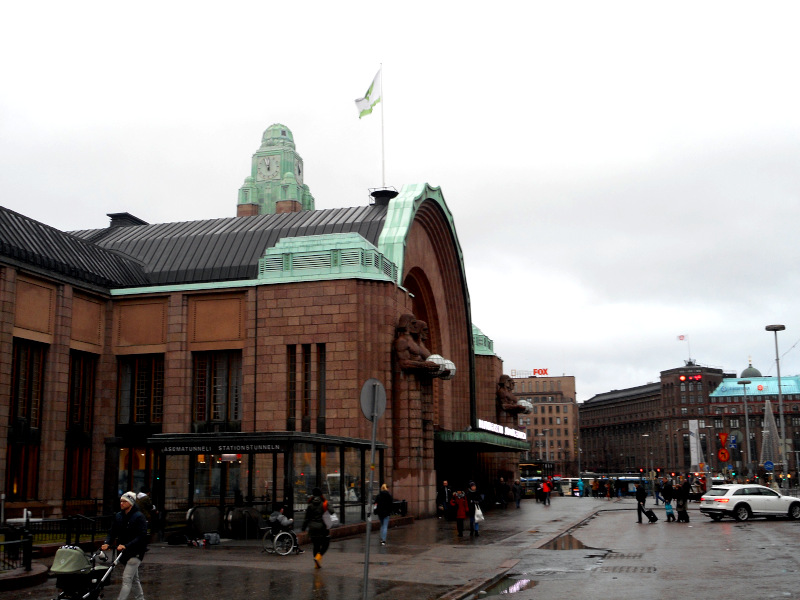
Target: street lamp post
x=744, y=383
x=775, y=329
x=650, y=468
x=543, y=433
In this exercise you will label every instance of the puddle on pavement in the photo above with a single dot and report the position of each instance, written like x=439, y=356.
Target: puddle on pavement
x=564, y=542
x=508, y=585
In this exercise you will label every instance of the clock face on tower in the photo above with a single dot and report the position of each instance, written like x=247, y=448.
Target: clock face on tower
x=298, y=172
x=269, y=167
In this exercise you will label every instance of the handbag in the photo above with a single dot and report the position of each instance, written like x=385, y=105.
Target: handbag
x=330, y=520
x=478, y=514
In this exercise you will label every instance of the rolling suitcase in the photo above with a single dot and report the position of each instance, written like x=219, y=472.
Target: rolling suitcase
x=651, y=516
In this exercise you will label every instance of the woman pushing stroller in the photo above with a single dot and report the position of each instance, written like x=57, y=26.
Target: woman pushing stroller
x=129, y=531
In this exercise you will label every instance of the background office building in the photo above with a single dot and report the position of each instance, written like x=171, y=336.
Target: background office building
x=552, y=426
x=649, y=426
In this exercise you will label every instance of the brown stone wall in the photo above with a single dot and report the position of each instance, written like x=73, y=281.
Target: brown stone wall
x=246, y=210
x=55, y=402
x=431, y=271
x=177, y=367
x=8, y=284
x=488, y=370
x=353, y=318
x=105, y=405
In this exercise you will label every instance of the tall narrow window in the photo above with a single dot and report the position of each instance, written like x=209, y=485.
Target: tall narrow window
x=291, y=386
x=27, y=390
x=78, y=449
x=28, y=382
x=141, y=390
x=82, y=370
x=217, y=388
x=306, y=407
x=321, y=374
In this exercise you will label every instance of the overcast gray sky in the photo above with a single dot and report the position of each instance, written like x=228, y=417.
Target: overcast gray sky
x=620, y=172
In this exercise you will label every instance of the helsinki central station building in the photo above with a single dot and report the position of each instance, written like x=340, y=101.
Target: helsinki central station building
x=221, y=362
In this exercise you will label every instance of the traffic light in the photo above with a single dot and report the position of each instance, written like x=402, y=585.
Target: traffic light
x=641, y=470
x=697, y=377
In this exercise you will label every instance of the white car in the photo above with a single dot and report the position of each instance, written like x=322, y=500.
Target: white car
x=743, y=501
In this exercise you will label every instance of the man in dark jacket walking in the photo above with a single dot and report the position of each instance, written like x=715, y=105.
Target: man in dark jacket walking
x=129, y=530
x=667, y=491
x=641, y=498
x=383, y=508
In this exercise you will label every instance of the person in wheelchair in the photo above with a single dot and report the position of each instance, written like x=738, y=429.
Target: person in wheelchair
x=280, y=522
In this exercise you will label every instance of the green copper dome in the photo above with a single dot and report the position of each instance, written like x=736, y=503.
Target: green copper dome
x=750, y=371
x=277, y=135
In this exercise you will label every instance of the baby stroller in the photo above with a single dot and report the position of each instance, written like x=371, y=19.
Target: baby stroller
x=78, y=577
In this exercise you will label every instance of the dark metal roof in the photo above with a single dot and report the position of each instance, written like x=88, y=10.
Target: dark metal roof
x=226, y=249
x=634, y=393
x=33, y=243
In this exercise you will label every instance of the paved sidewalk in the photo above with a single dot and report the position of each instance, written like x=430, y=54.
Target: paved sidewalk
x=425, y=560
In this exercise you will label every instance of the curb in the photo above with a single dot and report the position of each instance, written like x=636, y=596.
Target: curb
x=20, y=578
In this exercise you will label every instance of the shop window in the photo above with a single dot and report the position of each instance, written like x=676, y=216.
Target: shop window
x=135, y=469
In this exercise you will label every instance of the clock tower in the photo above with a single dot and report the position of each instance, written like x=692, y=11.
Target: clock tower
x=275, y=183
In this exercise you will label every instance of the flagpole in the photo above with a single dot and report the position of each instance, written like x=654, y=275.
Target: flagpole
x=383, y=109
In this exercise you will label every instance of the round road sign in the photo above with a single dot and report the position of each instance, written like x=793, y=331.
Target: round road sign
x=373, y=389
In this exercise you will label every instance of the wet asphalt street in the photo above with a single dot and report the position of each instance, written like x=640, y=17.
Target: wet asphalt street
x=575, y=548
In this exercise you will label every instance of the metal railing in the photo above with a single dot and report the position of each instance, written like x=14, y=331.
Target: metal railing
x=15, y=553
x=68, y=531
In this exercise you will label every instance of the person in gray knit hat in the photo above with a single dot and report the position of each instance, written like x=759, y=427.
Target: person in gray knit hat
x=129, y=531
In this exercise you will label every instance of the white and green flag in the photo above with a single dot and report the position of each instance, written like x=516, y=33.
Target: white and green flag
x=371, y=98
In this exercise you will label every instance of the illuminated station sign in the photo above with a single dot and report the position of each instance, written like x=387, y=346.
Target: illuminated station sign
x=502, y=430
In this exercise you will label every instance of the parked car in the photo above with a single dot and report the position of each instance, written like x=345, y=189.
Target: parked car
x=743, y=501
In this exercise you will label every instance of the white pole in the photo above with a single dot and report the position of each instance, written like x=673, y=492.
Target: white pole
x=383, y=109
x=371, y=481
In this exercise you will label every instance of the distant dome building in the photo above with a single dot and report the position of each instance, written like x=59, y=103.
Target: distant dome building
x=750, y=371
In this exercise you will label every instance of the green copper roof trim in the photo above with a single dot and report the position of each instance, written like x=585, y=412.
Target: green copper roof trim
x=400, y=215
x=240, y=283
x=482, y=437
x=484, y=346
x=314, y=257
